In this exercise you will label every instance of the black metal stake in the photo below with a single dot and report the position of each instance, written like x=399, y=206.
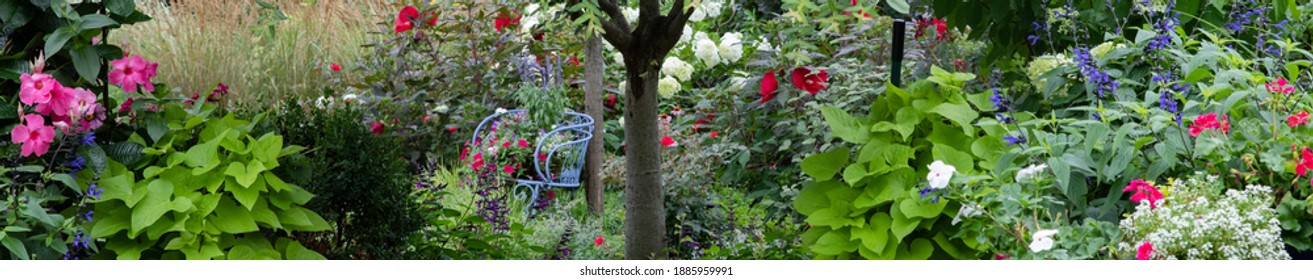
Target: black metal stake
x=896, y=61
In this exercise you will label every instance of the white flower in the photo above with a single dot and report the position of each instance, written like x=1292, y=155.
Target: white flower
x=940, y=174
x=619, y=58
x=1042, y=240
x=688, y=34
x=698, y=15
x=631, y=15
x=706, y=50
x=621, y=121
x=324, y=102
x=624, y=86
x=668, y=86
x=443, y=109
x=764, y=45
x=730, y=48
x=712, y=7
x=1030, y=172
x=967, y=211
x=677, y=68
x=500, y=111
x=737, y=83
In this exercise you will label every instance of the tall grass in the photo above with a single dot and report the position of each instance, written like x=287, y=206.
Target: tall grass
x=201, y=43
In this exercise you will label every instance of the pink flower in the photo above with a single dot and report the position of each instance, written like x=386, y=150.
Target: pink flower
x=1280, y=86
x=377, y=127
x=130, y=72
x=477, y=162
x=509, y=169
x=668, y=142
x=93, y=119
x=126, y=106
x=405, y=19
x=37, y=88
x=768, y=86
x=1144, y=252
x=542, y=157
x=1144, y=191
x=34, y=135
x=58, y=105
x=1204, y=122
x=452, y=129
x=85, y=110
x=713, y=134
x=1297, y=119
x=507, y=144
x=999, y=257
x=523, y=144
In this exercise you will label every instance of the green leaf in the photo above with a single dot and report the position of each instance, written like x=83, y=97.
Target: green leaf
x=127, y=153
x=267, y=148
x=921, y=208
x=823, y=166
x=15, y=247
x=961, y=114
x=121, y=7
x=95, y=21
x=833, y=217
x=34, y=210
x=245, y=174
x=107, y=224
x=812, y=197
x=876, y=234
x=55, y=41
x=230, y=218
x=155, y=128
x=262, y=214
x=154, y=205
x=902, y=225
x=86, y=62
x=845, y=126
x=899, y=6
x=834, y=243
x=245, y=195
x=297, y=252
x=95, y=157
x=964, y=163
x=854, y=173
x=919, y=249
x=303, y=219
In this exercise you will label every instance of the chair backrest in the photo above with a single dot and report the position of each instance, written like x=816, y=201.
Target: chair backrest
x=568, y=156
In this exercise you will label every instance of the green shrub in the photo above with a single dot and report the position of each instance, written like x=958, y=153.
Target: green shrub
x=361, y=179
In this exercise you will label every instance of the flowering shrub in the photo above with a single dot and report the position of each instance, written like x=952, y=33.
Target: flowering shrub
x=1198, y=221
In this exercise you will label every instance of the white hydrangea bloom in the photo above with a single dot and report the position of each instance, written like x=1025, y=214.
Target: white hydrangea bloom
x=1042, y=240
x=668, y=86
x=738, y=83
x=688, y=34
x=677, y=68
x=619, y=58
x=631, y=15
x=698, y=15
x=731, y=48
x=706, y=50
x=940, y=174
x=1030, y=171
x=712, y=8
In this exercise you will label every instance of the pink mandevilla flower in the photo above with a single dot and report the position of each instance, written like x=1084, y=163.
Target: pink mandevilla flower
x=1144, y=191
x=59, y=104
x=37, y=88
x=34, y=135
x=131, y=72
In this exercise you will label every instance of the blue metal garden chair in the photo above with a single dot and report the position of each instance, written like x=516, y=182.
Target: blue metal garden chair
x=576, y=127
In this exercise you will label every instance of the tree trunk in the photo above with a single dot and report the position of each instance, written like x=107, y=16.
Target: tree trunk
x=593, y=95
x=645, y=216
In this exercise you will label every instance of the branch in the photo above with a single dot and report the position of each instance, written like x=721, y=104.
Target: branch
x=613, y=11
x=649, y=11
x=616, y=27
x=678, y=18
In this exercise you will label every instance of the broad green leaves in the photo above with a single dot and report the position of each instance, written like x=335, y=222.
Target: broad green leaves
x=823, y=166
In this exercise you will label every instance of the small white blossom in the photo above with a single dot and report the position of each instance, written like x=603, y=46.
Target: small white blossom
x=1030, y=171
x=940, y=174
x=443, y=109
x=500, y=111
x=1042, y=240
x=324, y=102
x=352, y=98
x=967, y=211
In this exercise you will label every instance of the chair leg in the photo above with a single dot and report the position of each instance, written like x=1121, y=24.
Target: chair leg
x=533, y=199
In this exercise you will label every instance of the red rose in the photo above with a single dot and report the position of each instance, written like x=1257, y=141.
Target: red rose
x=405, y=19
x=504, y=21
x=768, y=86
x=377, y=127
x=810, y=81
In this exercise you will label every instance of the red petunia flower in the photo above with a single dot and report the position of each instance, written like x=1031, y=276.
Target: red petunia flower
x=768, y=86
x=405, y=19
x=509, y=169
x=1297, y=119
x=523, y=144
x=1144, y=191
x=507, y=144
x=1305, y=162
x=574, y=61
x=713, y=134
x=542, y=157
x=377, y=127
x=810, y=81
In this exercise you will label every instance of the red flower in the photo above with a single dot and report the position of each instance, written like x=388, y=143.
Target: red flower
x=768, y=86
x=509, y=169
x=405, y=19
x=377, y=127
x=506, y=145
x=598, y=242
x=810, y=81
x=1144, y=252
x=1001, y=257
x=452, y=129
x=335, y=67
x=478, y=161
x=1305, y=163
x=433, y=18
x=463, y=153
x=941, y=29
x=125, y=107
x=504, y=20
x=1144, y=191
x=713, y=134
x=668, y=142
x=574, y=60
x=542, y=157
x=864, y=14
x=1297, y=119
x=551, y=195
x=523, y=144
x=1204, y=122
x=610, y=101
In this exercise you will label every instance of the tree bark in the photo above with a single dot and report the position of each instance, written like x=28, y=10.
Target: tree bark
x=595, y=64
x=645, y=215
